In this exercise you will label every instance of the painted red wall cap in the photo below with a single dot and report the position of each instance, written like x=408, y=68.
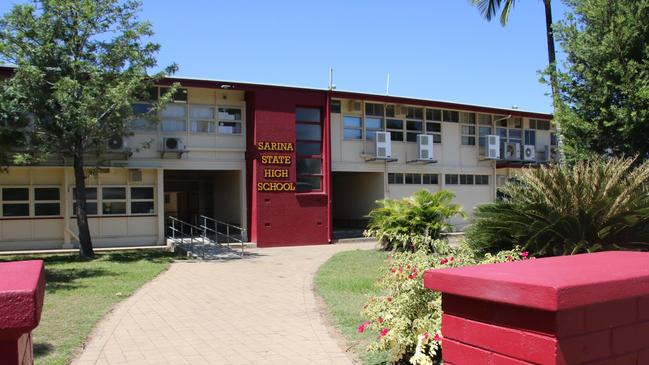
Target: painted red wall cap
x=22, y=290
x=553, y=284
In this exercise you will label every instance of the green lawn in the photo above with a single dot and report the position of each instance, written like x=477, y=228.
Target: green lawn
x=345, y=282
x=78, y=293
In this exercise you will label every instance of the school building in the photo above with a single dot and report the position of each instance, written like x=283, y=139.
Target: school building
x=288, y=164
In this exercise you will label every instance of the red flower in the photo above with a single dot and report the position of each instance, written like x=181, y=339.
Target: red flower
x=438, y=337
x=362, y=327
x=452, y=258
x=380, y=320
x=443, y=261
x=384, y=332
x=400, y=269
x=510, y=258
x=426, y=335
x=414, y=274
x=393, y=270
x=389, y=299
x=524, y=254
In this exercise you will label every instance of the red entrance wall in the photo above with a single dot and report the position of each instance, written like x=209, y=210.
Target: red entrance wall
x=285, y=218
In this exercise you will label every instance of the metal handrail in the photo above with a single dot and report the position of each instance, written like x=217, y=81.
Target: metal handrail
x=213, y=227
x=181, y=227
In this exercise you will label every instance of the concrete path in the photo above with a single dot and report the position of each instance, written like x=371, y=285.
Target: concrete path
x=256, y=310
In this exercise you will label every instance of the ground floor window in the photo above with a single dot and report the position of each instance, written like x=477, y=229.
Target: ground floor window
x=466, y=179
x=24, y=201
x=117, y=200
x=413, y=178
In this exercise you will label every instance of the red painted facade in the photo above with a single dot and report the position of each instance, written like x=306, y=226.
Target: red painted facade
x=285, y=218
x=572, y=310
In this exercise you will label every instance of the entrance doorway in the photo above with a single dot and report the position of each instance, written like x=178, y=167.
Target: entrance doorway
x=353, y=196
x=188, y=194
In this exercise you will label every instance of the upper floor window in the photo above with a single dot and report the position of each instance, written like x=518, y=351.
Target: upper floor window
x=374, y=109
x=335, y=106
x=451, y=116
x=308, y=134
x=352, y=127
x=434, y=115
x=539, y=124
x=414, y=113
x=230, y=120
x=173, y=118
x=202, y=119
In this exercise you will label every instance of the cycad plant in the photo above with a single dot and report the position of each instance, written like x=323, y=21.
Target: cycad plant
x=595, y=205
x=413, y=222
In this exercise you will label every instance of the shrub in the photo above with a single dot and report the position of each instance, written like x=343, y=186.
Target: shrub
x=413, y=222
x=601, y=204
x=407, y=318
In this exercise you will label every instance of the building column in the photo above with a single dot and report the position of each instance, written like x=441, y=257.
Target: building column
x=160, y=200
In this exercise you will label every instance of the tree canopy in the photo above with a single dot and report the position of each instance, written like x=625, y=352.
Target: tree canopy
x=603, y=85
x=80, y=66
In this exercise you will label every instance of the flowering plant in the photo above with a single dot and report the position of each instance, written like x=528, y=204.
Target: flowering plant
x=407, y=318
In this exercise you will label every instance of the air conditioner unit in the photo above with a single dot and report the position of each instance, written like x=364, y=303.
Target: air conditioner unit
x=551, y=153
x=512, y=151
x=172, y=144
x=529, y=152
x=116, y=143
x=383, y=145
x=493, y=147
x=425, y=147
x=355, y=106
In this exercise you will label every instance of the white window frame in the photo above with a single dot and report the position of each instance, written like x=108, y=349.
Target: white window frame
x=359, y=128
x=236, y=121
x=27, y=202
x=185, y=119
x=128, y=200
x=34, y=201
x=125, y=200
x=131, y=200
x=211, y=129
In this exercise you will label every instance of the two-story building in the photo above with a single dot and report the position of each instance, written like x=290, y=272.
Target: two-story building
x=288, y=164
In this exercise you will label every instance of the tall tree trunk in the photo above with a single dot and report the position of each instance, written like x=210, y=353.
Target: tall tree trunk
x=85, y=242
x=551, y=52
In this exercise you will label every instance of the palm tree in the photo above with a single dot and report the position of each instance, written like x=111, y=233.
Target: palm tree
x=489, y=8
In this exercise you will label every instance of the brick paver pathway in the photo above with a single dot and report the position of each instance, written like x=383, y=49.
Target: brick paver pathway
x=258, y=310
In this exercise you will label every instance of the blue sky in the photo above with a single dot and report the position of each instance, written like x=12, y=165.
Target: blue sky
x=434, y=49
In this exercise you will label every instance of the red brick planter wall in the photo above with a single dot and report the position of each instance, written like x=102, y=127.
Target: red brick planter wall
x=584, y=309
x=22, y=290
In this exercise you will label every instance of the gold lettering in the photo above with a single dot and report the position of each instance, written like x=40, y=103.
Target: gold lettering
x=276, y=160
x=275, y=146
x=276, y=173
x=275, y=186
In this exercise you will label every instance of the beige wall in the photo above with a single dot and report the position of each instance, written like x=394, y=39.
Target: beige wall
x=452, y=158
x=50, y=232
x=202, y=150
x=227, y=197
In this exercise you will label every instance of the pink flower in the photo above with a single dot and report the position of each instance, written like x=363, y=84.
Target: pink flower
x=438, y=337
x=426, y=335
x=400, y=269
x=510, y=258
x=389, y=299
x=384, y=332
x=443, y=261
x=452, y=258
x=362, y=327
x=524, y=254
